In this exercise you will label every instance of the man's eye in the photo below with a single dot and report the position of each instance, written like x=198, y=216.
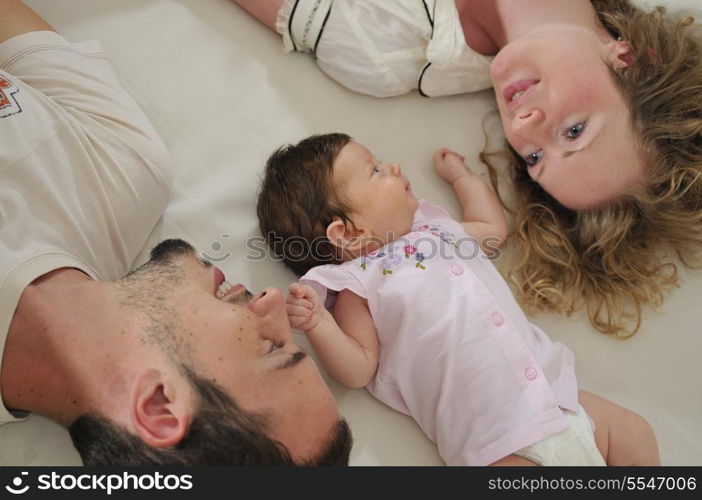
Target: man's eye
x=276, y=345
x=575, y=131
x=534, y=158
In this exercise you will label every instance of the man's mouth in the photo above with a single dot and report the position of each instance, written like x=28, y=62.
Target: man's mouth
x=232, y=293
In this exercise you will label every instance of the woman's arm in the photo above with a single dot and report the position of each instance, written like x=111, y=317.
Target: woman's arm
x=346, y=343
x=483, y=217
x=263, y=10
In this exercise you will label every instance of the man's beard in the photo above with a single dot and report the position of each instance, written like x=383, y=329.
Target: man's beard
x=147, y=291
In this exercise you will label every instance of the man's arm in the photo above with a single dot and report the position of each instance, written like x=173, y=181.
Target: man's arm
x=16, y=18
x=483, y=217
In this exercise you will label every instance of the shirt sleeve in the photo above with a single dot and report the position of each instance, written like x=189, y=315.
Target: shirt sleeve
x=427, y=212
x=332, y=278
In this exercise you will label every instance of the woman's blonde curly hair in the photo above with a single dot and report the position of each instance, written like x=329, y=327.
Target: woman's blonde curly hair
x=615, y=259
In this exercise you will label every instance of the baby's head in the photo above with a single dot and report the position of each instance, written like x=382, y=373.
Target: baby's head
x=327, y=199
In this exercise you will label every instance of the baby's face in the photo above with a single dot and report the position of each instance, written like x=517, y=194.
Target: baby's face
x=381, y=196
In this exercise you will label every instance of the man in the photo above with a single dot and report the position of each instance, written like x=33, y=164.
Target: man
x=161, y=366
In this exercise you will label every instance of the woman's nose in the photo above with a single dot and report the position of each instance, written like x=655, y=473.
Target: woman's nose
x=525, y=122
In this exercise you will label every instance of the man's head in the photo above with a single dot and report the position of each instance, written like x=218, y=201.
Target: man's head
x=220, y=379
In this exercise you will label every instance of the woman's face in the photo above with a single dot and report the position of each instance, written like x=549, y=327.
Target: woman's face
x=563, y=114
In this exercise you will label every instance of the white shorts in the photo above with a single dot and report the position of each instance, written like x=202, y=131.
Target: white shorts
x=574, y=446
x=386, y=48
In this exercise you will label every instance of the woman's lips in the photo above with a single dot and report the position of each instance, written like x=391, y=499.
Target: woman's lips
x=524, y=86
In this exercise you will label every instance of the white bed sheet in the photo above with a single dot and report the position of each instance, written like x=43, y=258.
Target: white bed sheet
x=222, y=94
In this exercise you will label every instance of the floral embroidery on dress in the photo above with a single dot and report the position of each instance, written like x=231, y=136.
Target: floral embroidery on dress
x=370, y=257
x=447, y=237
x=393, y=259
x=437, y=230
x=390, y=262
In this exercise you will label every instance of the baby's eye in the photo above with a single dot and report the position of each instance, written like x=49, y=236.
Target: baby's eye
x=575, y=131
x=376, y=170
x=534, y=158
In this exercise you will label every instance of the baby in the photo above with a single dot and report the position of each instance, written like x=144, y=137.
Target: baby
x=421, y=317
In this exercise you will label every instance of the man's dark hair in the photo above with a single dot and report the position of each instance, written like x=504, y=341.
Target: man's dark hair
x=221, y=433
x=297, y=202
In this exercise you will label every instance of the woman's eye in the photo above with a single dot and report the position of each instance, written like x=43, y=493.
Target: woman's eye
x=575, y=131
x=534, y=158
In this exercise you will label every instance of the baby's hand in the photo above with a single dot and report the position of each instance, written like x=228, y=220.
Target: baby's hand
x=304, y=308
x=449, y=164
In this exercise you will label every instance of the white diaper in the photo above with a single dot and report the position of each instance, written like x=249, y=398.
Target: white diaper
x=574, y=446
x=386, y=48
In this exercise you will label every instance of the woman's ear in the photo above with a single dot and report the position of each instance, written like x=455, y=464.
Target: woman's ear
x=620, y=54
x=346, y=237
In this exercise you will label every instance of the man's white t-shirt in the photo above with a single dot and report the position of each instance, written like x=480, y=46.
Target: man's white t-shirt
x=83, y=175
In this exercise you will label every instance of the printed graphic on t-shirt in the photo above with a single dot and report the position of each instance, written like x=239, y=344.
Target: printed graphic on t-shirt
x=8, y=103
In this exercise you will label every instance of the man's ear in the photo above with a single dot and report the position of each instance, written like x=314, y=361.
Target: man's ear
x=346, y=237
x=161, y=411
x=620, y=54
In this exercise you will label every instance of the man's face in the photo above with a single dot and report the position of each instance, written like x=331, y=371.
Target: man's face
x=243, y=343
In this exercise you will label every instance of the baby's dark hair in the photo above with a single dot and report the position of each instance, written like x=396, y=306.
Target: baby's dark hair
x=297, y=201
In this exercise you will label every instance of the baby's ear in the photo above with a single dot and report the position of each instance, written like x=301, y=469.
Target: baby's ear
x=344, y=236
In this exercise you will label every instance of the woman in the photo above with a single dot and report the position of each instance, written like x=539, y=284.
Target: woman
x=600, y=104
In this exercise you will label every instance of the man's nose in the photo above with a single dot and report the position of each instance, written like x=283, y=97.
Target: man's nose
x=269, y=306
x=267, y=302
x=526, y=122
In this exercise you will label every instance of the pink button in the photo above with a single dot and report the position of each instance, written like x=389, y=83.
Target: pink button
x=497, y=318
x=531, y=373
x=457, y=269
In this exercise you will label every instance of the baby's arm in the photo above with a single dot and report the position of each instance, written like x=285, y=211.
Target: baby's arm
x=346, y=343
x=483, y=217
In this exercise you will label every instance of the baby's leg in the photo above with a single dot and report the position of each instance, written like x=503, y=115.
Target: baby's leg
x=622, y=436
x=263, y=10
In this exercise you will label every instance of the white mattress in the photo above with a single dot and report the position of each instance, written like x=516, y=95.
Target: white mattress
x=222, y=94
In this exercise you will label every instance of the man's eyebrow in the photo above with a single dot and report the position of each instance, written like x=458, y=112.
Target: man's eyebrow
x=294, y=359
